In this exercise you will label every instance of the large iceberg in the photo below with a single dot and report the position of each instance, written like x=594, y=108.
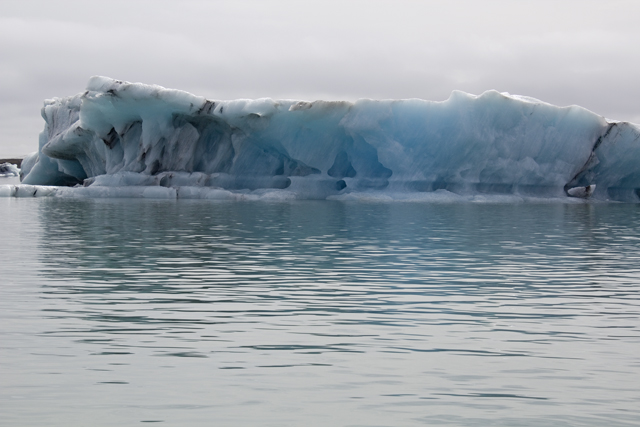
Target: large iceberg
x=119, y=134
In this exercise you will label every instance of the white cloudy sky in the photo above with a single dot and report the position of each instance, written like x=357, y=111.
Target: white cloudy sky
x=561, y=51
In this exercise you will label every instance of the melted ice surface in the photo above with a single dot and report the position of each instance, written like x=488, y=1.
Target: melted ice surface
x=119, y=134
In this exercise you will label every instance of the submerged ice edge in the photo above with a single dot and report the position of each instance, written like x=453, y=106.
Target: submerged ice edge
x=119, y=134
x=270, y=195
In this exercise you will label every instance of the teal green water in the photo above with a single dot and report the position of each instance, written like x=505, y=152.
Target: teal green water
x=179, y=313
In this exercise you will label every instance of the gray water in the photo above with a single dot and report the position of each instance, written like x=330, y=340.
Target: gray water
x=122, y=312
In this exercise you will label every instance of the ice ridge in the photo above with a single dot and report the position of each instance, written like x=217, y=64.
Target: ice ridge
x=131, y=134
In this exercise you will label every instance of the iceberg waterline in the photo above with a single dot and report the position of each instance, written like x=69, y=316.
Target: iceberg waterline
x=136, y=140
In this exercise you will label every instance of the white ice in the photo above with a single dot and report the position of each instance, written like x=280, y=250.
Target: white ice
x=8, y=169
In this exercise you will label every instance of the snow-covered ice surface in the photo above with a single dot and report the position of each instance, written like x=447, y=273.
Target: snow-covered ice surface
x=120, y=139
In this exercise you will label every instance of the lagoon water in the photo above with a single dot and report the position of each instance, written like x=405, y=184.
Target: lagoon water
x=196, y=313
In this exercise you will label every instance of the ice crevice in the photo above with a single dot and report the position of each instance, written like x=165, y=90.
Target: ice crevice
x=169, y=143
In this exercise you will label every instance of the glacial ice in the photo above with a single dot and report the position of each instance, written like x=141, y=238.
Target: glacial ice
x=120, y=139
x=8, y=169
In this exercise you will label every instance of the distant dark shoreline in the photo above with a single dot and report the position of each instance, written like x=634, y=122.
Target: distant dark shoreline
x=17, y=162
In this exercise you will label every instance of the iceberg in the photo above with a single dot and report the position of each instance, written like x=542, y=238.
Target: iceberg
x=8, y=169
x=172, y=144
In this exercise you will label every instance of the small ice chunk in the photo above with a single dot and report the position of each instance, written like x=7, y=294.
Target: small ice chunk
x=582, y=192
x=8, y=169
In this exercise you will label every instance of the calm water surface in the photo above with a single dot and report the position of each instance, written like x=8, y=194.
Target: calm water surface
x=127, y=312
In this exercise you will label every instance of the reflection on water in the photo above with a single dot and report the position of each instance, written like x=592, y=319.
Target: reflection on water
x=118, y=312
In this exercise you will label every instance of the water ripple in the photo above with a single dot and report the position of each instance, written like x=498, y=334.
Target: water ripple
x=320, y=313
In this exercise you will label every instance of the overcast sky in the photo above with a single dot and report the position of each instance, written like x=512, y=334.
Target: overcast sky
x=561, y=51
